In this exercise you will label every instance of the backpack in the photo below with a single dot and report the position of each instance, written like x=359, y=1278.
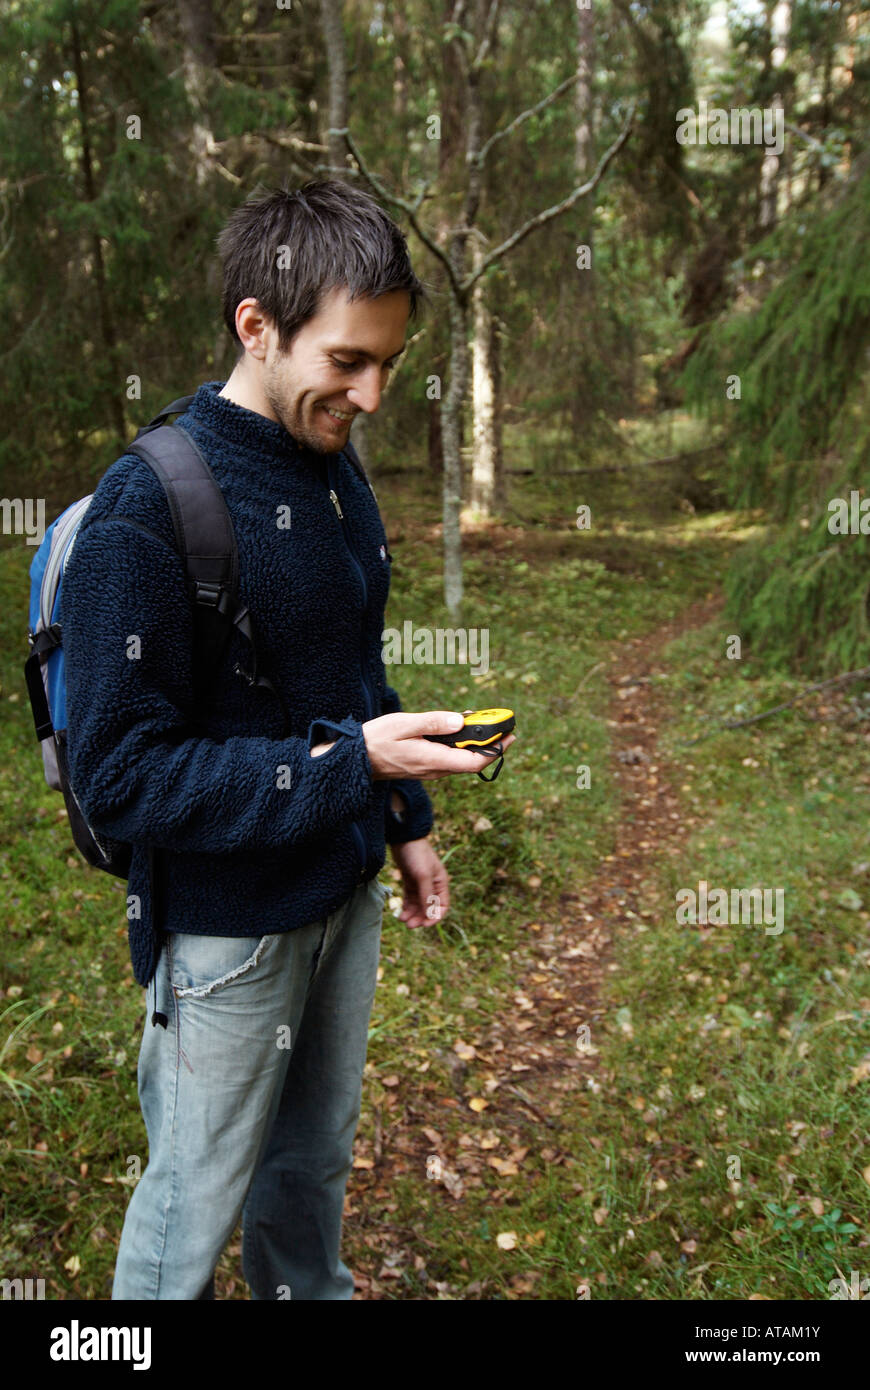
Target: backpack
x=206, y=543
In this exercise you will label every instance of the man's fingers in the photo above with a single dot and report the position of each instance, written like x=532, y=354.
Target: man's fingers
x=433, y=721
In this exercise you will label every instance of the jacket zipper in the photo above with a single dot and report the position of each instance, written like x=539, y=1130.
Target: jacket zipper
x=359, y=835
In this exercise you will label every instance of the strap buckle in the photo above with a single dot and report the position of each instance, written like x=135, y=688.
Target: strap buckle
x=207, y=593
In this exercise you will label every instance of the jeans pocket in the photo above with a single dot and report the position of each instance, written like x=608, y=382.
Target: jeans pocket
x=200, y=965
x=383, y=890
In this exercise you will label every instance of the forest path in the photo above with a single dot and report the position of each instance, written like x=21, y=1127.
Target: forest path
x=530, y=1083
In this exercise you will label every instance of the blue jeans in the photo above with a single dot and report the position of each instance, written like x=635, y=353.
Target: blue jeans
x=251, y=1097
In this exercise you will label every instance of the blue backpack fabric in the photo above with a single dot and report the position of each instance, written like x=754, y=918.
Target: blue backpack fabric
x=206, y=542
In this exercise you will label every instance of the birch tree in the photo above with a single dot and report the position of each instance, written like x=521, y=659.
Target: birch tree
x=472, y=47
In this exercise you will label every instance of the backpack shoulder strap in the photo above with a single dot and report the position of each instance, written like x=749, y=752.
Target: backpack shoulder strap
x=203, y=529
x=204, y=536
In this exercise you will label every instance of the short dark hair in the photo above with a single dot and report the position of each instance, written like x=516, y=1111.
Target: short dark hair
x=336, y=235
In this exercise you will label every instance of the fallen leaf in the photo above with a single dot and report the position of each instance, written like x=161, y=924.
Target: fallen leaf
x=477, y=1103
x=453, y=1182
x=599, y=1216
x=506, y=1240
x=525, y=1283
x=861, y=1072
x=850, y=900
x=504, y=1166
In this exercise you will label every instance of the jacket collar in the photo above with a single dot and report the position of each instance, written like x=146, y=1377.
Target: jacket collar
x=242, y=427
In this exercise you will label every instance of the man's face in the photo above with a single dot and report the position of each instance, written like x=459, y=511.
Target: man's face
x=341, y=359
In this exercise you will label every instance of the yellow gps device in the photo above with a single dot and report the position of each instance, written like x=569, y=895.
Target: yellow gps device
x=482, y=728
x=482, y=732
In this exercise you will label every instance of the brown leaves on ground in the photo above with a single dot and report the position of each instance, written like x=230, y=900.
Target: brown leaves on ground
x=493, y=1103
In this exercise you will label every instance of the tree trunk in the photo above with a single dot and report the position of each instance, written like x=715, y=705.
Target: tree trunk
x=337, y=119
x=482, y=498
x=583, y=307
x=107, y=326
x=199, y=58
x=333, y=35
x=451, y=410
x=451, y=414
x=500, y=498
x=436, y=448
x=584, y=131
x=779, y=22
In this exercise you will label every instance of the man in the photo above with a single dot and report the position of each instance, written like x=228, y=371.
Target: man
x=269, y=810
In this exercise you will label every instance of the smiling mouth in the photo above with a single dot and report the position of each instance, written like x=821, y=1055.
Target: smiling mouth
x=341, y=417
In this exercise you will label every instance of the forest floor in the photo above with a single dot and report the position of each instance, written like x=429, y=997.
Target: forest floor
x=557, y=973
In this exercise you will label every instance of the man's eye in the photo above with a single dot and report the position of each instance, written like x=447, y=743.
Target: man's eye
x=351, y=366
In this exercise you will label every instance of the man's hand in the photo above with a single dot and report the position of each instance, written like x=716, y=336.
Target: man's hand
x=425, y=881
x=397, y=749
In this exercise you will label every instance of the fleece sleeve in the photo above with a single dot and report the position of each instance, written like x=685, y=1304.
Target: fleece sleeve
x=137, y=766
x=417, y=818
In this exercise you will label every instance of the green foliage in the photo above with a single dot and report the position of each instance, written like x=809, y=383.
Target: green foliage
x=795, y=354
x=801, y=598
x=799, y=435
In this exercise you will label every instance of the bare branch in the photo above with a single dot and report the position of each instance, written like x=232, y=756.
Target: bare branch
x=549, y=213
x=524, y=116
x=287, y=142
x=810, y=139
x=225, y=172
x=5, y=241
x=409, y=208
x=489, y=31
x=6, y=185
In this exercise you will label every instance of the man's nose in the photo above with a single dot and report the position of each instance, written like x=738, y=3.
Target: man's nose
x=366, y=392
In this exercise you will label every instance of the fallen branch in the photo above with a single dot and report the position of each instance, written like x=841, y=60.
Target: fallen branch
x=629, y=463
x=515, y=1090
x=862, y=674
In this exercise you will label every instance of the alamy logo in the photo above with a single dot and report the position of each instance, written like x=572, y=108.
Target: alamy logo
x=76, y=1343
x=743, y=906
x=744, y=125
x=24, y=1289
x=426, y=646
x=21, y=509
x=857, y=1289
x=849, y=518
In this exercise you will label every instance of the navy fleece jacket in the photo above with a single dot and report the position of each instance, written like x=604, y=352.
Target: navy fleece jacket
x=241, y=852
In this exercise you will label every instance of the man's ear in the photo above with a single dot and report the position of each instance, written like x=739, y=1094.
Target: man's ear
x=253, y=328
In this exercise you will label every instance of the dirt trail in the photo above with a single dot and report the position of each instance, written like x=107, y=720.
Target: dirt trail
x=527, y=1081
